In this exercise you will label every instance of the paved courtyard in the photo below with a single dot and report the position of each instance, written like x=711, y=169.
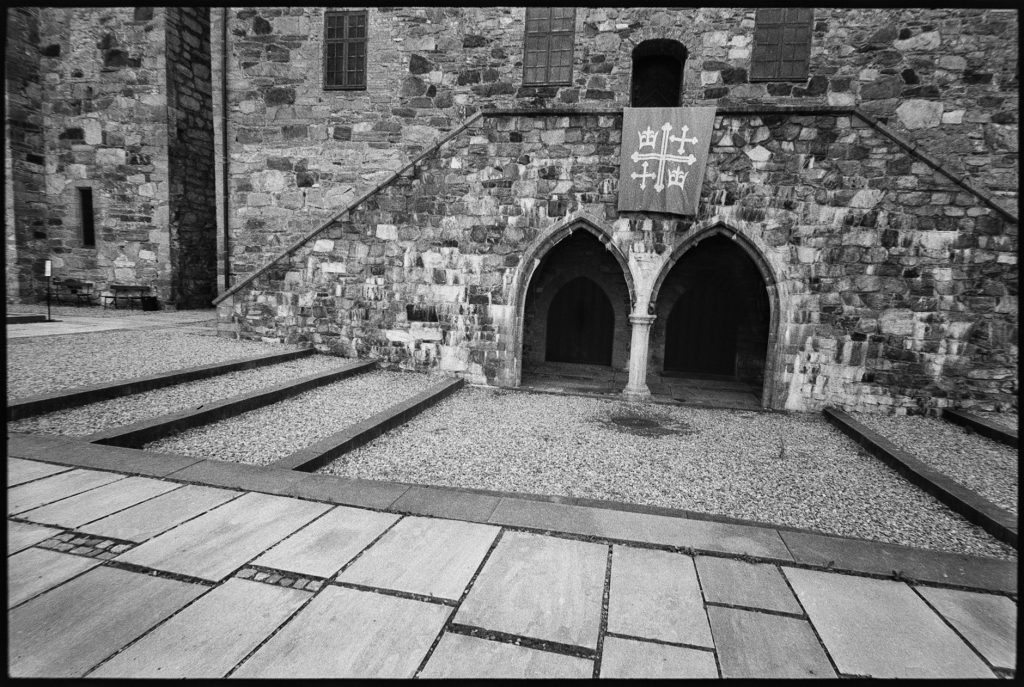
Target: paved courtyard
x=123, y=563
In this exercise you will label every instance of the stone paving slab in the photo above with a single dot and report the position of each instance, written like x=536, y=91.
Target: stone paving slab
x=148, y=519
x=349, y=491
x=20, y=471
x=49, y=489
x=987, y=621
x=629, y=658
x=462, y=656
x=760, y=645
x=655, y=595
x=211, y=636
x=347, y=633
x=33, y=571
x=68, y=630
x=324, y=546
x=424, y=556
x=446, y=503
x=917, y=564
x=37, y=446
x=74, y=451
x=737, y=583
x=213, y=545
x=702, y=535
x=881, y=628
x=541, y=587
x=100, y=502
x=21, y=535
x=220, y=473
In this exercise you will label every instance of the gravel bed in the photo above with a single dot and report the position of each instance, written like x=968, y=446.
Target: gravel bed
x=98, y=416
x=39, y=365
x=984, y=465
x=271, y=433
x=785, y=469
x=1007, y=419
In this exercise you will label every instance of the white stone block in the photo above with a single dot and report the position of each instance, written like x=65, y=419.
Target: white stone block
x=953, y=117
x=920, y=114
x=323, y=246
x=387, y=232
x=110, y=157
x=758, y=154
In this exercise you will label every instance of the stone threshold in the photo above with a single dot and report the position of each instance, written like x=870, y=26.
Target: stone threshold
x=327, y=449
x=597, y=520
x=982, y=426
x=145, y=431
x=998, y=522
x=44, y=403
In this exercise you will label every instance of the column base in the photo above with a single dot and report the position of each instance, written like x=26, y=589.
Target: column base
x=641, y=394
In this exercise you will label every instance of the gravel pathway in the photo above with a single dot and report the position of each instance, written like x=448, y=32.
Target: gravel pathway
x=268, y=434
x=793, y=470
x=39, y=365
x=128, y=409
x=986, y=466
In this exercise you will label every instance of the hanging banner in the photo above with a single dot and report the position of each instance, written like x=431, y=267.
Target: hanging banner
x=664, y=152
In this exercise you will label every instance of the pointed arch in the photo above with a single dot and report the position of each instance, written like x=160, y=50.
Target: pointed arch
x=716, y=228
x=771, y=395
x=531, y=259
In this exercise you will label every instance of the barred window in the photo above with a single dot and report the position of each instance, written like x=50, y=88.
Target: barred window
x=782, y=44
x=547, y=58
x=345, y=50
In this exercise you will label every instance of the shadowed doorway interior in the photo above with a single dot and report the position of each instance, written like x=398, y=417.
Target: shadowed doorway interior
x=576, y=314
x=580, y=324
x=714, y=314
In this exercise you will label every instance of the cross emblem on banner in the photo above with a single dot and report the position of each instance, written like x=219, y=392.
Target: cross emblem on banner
x=664, y=147
x=676, y=176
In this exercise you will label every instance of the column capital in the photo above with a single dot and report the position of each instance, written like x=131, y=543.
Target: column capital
x=641, y=319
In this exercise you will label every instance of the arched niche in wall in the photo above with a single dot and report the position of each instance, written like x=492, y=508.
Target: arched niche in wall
x=657, y=76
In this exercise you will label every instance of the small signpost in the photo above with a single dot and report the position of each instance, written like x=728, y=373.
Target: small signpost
x=49, y=280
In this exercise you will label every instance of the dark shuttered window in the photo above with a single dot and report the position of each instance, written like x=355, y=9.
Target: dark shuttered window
x=782, y=44
x=547, y=58
x=345, y=50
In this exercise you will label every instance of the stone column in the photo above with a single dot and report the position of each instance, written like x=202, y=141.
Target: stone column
x=636, y=388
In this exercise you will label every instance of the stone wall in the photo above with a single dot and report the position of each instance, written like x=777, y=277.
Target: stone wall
x=945, y=78
x=192, y=221
x=24, y=157
x=891, y=286
x=105, y=123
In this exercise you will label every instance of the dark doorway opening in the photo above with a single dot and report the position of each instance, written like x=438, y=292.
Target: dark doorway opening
x=581, y=324
x=716, y=314
x=657, y=73
x=700, y=335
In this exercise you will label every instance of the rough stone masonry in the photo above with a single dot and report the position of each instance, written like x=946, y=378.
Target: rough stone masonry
x=858, y=221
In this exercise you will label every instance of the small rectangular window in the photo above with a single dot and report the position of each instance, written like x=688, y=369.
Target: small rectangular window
x=548, y=46
x=782, y=44
x=345, y=51
x=85, y=211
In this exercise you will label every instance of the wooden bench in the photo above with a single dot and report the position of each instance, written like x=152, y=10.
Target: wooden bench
x=73, y=291
x=125, y=293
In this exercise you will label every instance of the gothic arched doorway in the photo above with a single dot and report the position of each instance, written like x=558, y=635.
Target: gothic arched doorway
x=714, y=315
x=576, y=312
